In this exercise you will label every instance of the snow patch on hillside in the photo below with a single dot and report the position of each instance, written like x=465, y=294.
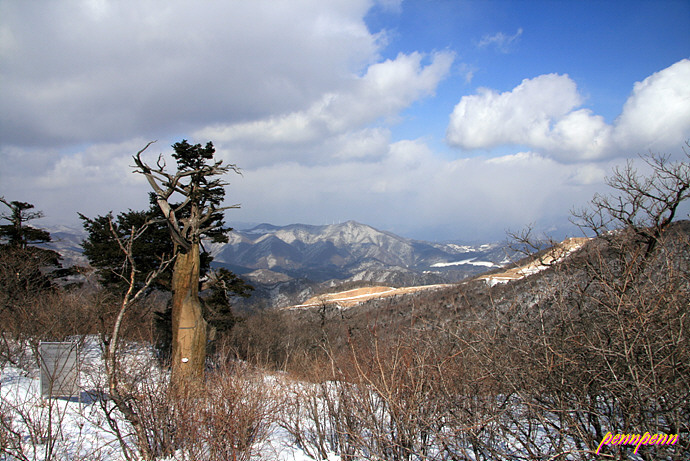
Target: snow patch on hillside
x=470, y=261
x=555, y=255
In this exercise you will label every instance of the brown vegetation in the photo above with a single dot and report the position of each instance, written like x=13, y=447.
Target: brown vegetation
x=540, y=368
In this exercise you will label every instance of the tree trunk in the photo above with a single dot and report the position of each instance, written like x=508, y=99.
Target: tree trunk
x=188, y=324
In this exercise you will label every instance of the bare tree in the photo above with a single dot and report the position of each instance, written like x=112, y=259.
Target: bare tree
x=644, y=205
x=198, y=215
x=120, y=396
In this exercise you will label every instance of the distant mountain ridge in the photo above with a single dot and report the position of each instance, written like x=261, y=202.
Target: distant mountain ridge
x=348, y=252
x=293, y=261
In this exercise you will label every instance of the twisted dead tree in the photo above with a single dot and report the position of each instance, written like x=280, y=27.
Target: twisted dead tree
x=199, y=214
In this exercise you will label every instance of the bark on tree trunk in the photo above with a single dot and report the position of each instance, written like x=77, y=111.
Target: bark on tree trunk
x=189, y=326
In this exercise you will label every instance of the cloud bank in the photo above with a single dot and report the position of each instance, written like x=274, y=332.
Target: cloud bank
x=100, y=70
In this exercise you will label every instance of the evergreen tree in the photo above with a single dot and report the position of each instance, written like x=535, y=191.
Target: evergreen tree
x=104, y=254
x=25, y=269
x=17, y=233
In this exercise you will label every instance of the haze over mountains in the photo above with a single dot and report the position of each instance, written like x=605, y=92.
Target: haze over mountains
x=289, y=263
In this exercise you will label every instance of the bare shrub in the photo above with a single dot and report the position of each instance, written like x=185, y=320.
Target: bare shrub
x=10, y=435
x=53, y=315
x=383, y=400
x=229, y=419
x=33, y=428
x=319, y=412
x=601, y=345
x=541, y=368
x=284, y=340
x=600, y=342
x=397, y=398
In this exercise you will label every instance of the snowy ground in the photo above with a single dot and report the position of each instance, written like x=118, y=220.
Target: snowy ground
x=35, y=429
x=61, y=429
x=57, y=428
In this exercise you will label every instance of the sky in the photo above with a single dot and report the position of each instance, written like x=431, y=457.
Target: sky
x=436, y=120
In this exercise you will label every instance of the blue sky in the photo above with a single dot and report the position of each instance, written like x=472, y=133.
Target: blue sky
x=431, y=119
x=599, y=44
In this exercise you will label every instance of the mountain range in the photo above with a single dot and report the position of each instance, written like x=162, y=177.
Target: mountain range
x=288, y=264
x=292, y=262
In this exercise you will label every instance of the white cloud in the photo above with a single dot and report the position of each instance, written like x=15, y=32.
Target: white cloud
x=271, y=83
x=411, y=190
x=402, y=186
x=657, y=113
x=296, y=93
x=394, y=6
x=587, y=174
x=522, y=116
x=543, y=113
x=364, y=144
x=579, y=135
x=382, y=92
x=93, y=180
